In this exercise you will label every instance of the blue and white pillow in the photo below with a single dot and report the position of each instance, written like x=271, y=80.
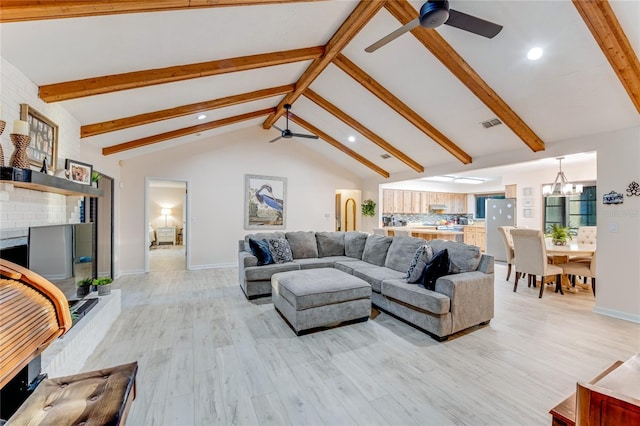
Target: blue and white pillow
x=280, y=250
x=416, y=267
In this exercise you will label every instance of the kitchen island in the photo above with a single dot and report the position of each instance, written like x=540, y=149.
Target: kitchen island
x=428, y=232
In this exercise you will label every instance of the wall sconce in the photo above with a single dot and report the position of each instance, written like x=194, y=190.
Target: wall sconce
x=165, y=213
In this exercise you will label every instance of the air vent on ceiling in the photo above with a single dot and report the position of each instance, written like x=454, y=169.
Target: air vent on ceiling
x=385, y=156
x=491, y=123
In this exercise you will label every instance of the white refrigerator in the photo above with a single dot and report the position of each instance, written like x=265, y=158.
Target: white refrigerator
x=498, y=212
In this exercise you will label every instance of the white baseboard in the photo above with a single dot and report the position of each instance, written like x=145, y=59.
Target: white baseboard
x=132, y=272
x=617, y=314
x=213, y=266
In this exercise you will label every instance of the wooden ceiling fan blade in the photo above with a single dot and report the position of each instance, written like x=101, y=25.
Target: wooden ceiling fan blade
x=300, y=135
x=394, y=35
x=473, y=24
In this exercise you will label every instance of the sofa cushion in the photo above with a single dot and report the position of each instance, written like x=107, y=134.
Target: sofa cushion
x=264, y=273
x=375, y=275
x=462, y=257
x=354, y=242
x=375, y=249
x=330, y=243
x=401, y=252
x=280, y=250
x=416, y=295
x=352, y=265
x=320, y=262
x=303, y=244
x=418, y=263
x=261, y=236
x=260, y=249
x=436, y=268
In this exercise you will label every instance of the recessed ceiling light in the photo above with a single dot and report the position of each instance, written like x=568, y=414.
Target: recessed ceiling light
x=352, y=138
x=534, y=53
x=202, y=117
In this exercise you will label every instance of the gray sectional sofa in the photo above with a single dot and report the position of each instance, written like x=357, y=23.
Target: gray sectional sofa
x=460, y=300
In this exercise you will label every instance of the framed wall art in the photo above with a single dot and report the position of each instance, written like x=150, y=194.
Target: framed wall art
x=527, y=213
x=265, y=202
x=79, y=172
x=527, y=191
x=527, y=202
x=44, y=137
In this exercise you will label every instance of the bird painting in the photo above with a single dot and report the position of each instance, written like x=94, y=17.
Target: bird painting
x=264, y=195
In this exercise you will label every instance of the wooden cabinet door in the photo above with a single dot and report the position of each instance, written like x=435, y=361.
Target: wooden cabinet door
x=511, y=191
x=387, y=201
x=424, y=202
x=459, y=203
x=416, y=202
x=437, y=198
x=397, y=201
x=407, y=199
x=481, y=239
x=469, y=236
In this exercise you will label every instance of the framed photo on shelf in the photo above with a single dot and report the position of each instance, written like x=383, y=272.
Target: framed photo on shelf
x=265, y=202
x=79, y=172
x=44, y=138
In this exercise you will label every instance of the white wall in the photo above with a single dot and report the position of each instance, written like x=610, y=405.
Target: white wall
x=618, y=261
x=215, y=168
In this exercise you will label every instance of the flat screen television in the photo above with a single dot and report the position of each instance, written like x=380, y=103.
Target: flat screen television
x=63, y=254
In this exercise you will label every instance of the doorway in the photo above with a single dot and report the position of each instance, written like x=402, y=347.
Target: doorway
x=166, y=216
x=348, y=214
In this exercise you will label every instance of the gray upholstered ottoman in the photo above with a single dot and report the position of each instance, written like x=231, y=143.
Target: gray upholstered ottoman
x=312, y=298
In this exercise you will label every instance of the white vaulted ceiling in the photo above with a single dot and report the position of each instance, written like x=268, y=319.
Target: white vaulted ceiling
x=571, y=91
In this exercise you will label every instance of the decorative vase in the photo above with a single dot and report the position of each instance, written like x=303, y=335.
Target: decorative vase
x=104, y=289
x=19, y=157
x=559, y=242
x=2, y=126
x=83, y=290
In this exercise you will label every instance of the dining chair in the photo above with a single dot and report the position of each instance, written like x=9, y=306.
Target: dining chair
x=405, y=232
x=380, y=231
x=507, y=239
x=586, y=235
x=531, y=258
x=582, y=269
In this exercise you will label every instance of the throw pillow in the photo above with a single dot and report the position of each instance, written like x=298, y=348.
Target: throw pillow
x=330, y=243
x=280, y=250
x=260, y=249
x=303, y=244
x=375, y=249
x=438, y=267
x=423, y=256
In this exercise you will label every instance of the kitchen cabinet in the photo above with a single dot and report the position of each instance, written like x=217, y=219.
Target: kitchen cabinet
x=457, y=203
x=416, y=202
x=511, y=191
x=387, y=201
x=475, y=236
x=407, y=202
x=396, y=201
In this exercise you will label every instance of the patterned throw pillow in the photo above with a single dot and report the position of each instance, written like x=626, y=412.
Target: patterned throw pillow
x=416, y=268
x=280, y=250
x=260, y=249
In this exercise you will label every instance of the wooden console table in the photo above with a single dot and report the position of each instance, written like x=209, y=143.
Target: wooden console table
x=613, y=397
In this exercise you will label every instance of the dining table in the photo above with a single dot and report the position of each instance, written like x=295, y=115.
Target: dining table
x=562, y=253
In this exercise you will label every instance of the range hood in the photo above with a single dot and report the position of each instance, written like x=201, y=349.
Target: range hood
x=438, y=207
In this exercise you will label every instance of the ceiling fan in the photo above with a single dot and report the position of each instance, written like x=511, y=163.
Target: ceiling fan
x=435, y=13
x=288, y=134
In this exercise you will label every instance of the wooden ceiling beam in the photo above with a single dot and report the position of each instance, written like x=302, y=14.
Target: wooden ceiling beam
x=150, y=140
x=606, y=29
x=132, y=80
x=331, y=141
x=404, y=12
x=361, y=15
x=364, y=131
x=17, y=11
x=166, y=114
x=400, y=107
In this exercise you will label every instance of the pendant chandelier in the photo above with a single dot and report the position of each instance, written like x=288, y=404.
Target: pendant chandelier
x=561, y=186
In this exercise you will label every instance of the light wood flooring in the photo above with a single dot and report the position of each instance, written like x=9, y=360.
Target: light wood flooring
x=208, y=356
x=167, y=258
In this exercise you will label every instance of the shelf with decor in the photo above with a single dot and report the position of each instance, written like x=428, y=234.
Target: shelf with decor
x=31, y=179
